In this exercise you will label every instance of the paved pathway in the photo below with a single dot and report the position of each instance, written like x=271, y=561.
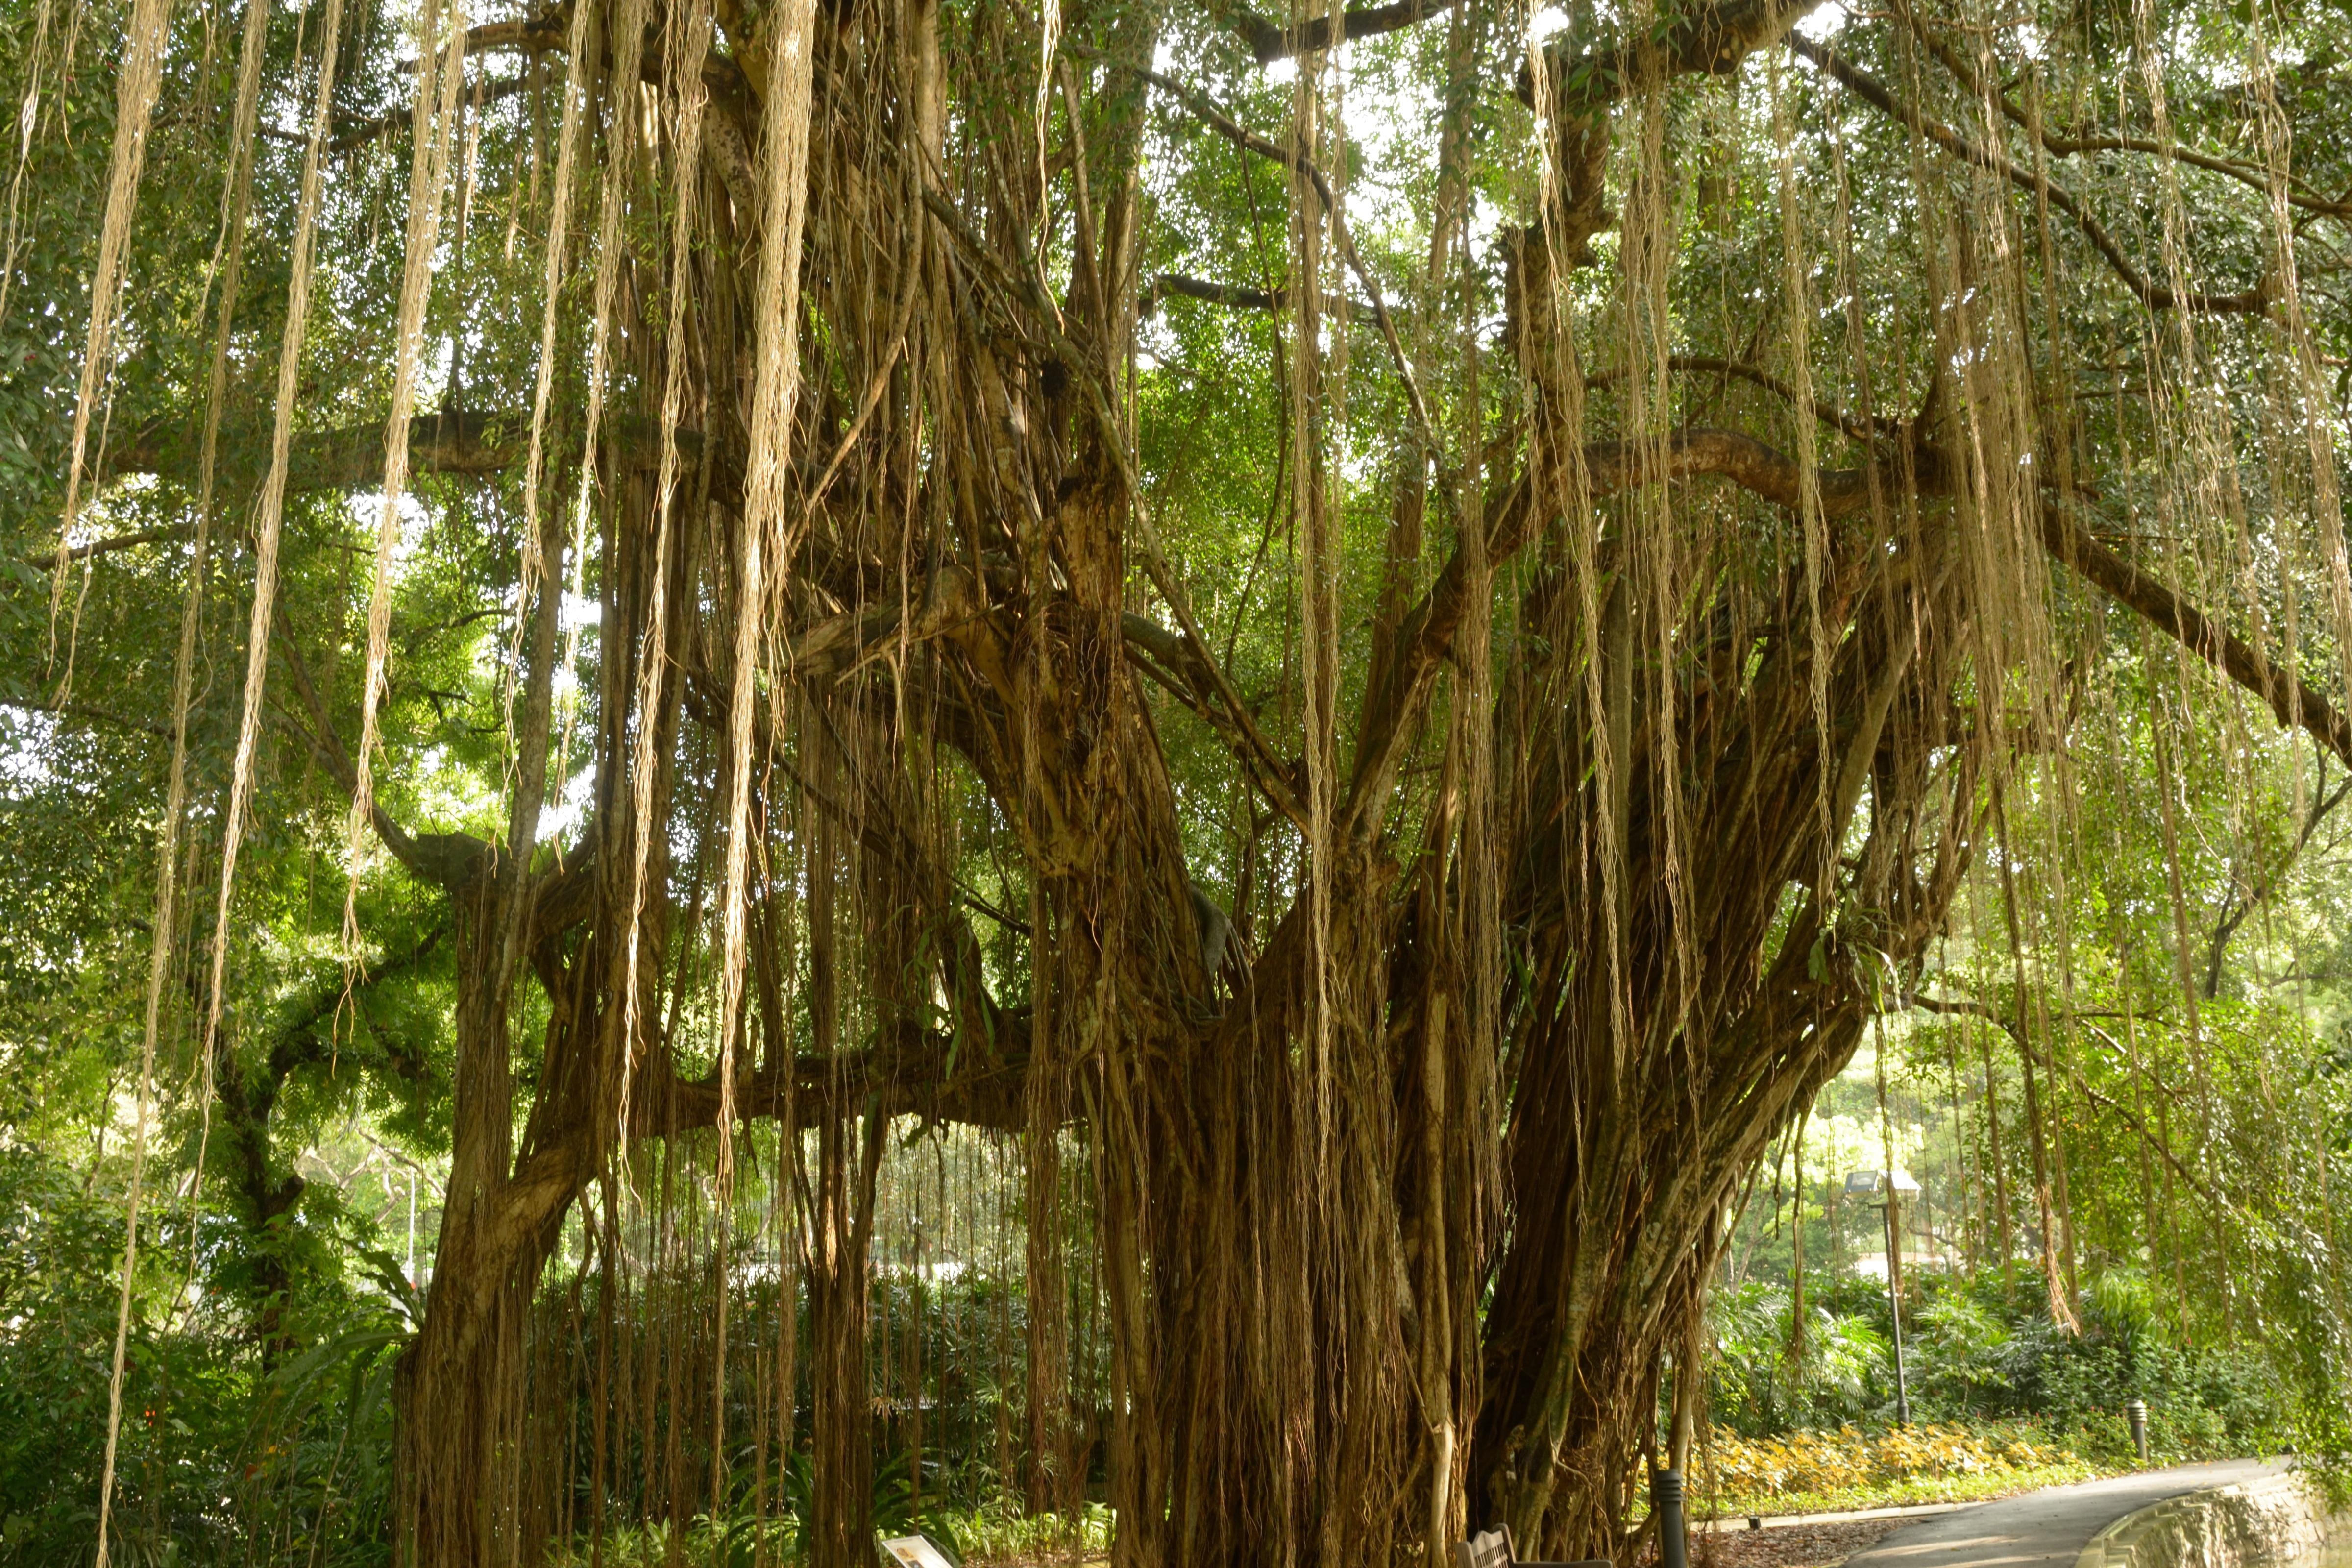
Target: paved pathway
x=2047, y=1529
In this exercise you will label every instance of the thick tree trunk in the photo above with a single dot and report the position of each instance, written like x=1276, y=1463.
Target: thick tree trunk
x=464, y=1421
x=842, y=1433
x=463, y=1379
x=1300, y=1215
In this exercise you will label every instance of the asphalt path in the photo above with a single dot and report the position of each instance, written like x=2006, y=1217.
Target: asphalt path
x=2047, y=1529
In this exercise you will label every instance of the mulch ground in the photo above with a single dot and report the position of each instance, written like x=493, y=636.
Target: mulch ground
x=1789, y=1545
x=1783, y=1546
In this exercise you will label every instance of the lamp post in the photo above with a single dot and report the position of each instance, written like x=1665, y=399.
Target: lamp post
x=1898, y=1183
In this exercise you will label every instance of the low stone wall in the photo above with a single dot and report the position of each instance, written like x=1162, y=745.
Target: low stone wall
x=2259, y=1523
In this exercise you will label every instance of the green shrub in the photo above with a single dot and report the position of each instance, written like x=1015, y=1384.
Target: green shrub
x=1973, y=1355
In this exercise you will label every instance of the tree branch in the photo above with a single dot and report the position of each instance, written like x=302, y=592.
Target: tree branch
x=445, y=860
x=1270, y=42
x=351, y=458
x=2295, y=703
x=1977, y=1009
x=2227, y=926
x=84, y=711
x=1241, y=297
x=464, y=442
x=1181, y=666
x=2155, y=1142
x=2060, y=146
x=1865, y=428
x=1709, y=41
x=907, y=1070
x=2157, y=297
x=1426, y=635
x=354, y=133
x=162, y=533
x=1199, y=105
x=531, y=35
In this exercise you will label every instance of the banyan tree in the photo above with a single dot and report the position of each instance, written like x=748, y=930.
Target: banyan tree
x=1370, y=639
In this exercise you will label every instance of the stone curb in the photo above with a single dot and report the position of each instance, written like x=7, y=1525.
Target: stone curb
x=2271, y=1520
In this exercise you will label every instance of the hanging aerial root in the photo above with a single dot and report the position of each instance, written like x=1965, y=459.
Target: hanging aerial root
x=559, y=231
x=28, y=116
x=235, y=199
x=775, y=394
x=629, y=51
x=134, y=106
x=1798, y=304
x=268, y=519
x=248, y=734
x=653, y=658
x=439, y=74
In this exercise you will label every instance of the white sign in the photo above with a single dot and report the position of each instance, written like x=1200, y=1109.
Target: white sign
x=915, y=1551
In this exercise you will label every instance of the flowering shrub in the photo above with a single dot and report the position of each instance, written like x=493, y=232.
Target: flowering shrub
x=1906, y=1464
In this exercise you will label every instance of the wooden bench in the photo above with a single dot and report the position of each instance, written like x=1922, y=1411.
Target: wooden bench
x=1493, y=1549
